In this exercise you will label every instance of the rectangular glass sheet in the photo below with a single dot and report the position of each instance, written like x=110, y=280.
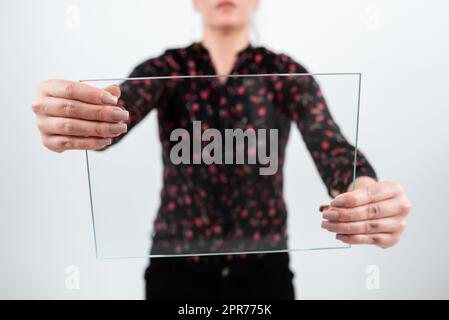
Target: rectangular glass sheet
x=224, y=200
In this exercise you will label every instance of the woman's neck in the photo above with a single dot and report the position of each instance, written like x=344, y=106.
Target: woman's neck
x=223, y=46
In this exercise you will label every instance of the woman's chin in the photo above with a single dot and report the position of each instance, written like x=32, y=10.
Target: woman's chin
x=228, y=24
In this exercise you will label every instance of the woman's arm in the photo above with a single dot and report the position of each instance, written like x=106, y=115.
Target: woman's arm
x=74, y=115
x=370, y=212
x=140, y=96
x=331, y=152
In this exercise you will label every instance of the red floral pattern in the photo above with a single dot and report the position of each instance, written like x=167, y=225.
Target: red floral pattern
x=230, y=208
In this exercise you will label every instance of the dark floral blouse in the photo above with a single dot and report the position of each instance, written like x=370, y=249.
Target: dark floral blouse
x=232, y=208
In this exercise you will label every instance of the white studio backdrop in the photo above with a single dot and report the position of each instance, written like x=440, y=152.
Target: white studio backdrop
x=401, y=47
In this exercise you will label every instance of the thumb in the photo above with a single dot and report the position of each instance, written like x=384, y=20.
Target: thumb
x=114, y=90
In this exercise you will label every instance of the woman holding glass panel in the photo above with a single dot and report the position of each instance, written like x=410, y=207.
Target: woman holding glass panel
x=221, y=201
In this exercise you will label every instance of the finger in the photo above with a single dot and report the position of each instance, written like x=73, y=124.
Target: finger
x=77, y=91
x=81, y=128
x=61, y=143
x=373, y=193
x=58, y=107
x=376, y=210
x=114, y=90
x=383, y=240
x=387, y=225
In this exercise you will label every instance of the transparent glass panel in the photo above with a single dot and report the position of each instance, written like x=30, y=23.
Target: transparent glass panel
x=216, y=165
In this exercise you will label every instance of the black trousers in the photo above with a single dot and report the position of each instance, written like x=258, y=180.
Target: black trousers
x=265, y=276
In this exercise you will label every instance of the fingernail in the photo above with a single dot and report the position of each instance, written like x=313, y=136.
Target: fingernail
x=120, y=115
x=108, y=98
x=325, y=225
x=339, y=201
x=104, y=142
x=117, y=128
x=341, y=237
x=330, y=215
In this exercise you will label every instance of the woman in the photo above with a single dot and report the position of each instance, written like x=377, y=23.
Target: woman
x=73, y=115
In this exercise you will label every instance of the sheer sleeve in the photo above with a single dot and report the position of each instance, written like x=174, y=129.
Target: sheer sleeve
x=331, y=152
x=139, y=97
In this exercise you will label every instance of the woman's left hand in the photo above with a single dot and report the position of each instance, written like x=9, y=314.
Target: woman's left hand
x=375, y=213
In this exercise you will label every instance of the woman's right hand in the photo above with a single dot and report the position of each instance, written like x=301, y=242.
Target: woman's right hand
x=74, y=115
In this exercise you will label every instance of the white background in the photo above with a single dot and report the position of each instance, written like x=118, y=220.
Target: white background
x=400, y=47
